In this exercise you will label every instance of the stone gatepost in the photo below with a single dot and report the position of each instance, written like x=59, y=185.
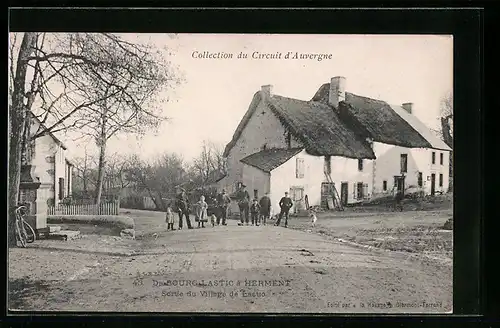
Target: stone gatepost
x=34, y=194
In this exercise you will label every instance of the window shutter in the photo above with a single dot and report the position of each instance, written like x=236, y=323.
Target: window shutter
x=404, y=160
x=299, y=174
x=365, y=190
x=354, y=190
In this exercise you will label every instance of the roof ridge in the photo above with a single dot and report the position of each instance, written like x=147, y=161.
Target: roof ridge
x=370, y=98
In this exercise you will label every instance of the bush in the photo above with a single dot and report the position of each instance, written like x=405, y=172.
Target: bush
x=112, y=221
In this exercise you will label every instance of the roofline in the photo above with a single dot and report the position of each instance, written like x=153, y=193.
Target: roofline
x=255, y=166
x=299, y=150
x=57, y=140
x=222, y=177
x=254, y=103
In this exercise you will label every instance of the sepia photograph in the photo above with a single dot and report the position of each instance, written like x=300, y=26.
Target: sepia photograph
x=230, y=173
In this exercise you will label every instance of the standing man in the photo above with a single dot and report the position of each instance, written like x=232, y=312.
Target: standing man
x=183, y=209
x=244, y=204
x=265, y=208
x=285, y=205
x=224, y=200
x=398, y=199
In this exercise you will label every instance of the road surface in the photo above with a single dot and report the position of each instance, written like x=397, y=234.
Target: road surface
x=227, y=269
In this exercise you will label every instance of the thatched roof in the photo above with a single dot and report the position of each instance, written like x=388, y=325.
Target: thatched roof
x=344, y=132
x=269, y=159
x=315, y=124
x=319, y=128
x=378, y=120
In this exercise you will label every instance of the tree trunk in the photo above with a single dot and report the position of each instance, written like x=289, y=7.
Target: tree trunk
x=100, y=174
x=102, y=155
x=84, y=182
x=17, y=119
x=84, y=174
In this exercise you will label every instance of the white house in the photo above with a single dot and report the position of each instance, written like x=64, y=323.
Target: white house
x=362, y=146
x=51, y=164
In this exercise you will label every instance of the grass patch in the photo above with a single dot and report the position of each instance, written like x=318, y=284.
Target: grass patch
x=110, y=221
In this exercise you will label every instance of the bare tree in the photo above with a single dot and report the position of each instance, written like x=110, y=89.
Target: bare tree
x=446, y=119
x=158, y=178
x=83, y=173
x=446, y=132
x=210, y=161
x=58, y=76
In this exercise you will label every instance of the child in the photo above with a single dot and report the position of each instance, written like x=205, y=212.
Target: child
x=170, y=219
x=255, y=212
x=213, y=220
x=201, y=212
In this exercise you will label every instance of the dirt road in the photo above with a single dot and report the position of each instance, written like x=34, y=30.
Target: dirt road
x=226, y=269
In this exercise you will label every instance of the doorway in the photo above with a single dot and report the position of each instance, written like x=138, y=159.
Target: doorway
x=433, y=184
x=297, y=196
x=399, y=184
x=344, y=193
x=325, y=193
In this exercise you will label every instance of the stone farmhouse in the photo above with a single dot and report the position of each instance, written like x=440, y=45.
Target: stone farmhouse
x=338, y=143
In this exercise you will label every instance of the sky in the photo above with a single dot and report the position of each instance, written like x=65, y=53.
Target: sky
x=216, y=93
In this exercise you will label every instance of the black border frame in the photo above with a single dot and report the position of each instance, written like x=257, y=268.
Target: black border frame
x=465, y=24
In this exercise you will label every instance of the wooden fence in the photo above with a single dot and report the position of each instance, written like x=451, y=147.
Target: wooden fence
x=91, y=209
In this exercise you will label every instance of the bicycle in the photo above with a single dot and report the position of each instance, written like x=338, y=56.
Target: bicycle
x=24, y=232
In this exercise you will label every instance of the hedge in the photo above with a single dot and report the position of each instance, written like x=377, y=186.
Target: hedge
x=113, y=221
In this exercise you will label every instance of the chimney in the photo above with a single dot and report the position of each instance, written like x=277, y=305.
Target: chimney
x=407, y=107
x=337, y=91
x=266, y=91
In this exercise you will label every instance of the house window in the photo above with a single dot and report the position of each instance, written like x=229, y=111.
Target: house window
x=328, y=165
x=360, y=190
x=404, y=163
x=441, y=158
x=420, y=179
x=441, y=180
x=360, y=164
x=299, y=172
x=255, y=194
x=433, y=157
x=61, y=188
x=288, y=139
x=384, y=185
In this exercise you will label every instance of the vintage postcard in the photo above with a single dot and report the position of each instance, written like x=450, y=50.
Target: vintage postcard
x=230, y=173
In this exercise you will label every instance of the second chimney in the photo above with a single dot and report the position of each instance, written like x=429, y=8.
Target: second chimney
x=408, y=107
x=266, y=90
x=337, y=91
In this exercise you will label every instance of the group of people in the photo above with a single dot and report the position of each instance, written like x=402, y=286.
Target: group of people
x=200, y=211
x=258, y=211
